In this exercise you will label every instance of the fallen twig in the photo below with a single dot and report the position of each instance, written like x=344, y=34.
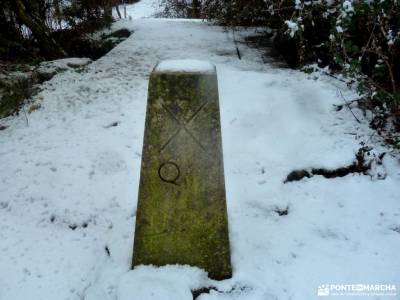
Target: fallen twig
x=348, y=106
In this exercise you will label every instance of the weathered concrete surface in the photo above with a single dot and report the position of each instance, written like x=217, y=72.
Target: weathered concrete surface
x=182, y=216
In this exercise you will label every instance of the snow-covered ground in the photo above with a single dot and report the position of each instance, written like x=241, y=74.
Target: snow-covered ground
x=70, y=170
x=141, y=9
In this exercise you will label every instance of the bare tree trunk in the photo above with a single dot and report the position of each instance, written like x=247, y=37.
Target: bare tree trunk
x=117, y=9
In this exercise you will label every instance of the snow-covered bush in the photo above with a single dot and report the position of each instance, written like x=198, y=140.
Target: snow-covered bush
x=352, y=36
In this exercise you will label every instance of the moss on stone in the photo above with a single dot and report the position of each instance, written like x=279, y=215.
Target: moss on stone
x=183, y=219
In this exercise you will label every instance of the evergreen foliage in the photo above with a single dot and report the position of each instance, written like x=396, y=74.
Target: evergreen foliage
x=35, y=29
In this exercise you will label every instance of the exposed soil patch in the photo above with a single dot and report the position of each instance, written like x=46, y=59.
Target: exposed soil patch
x=114, y=124
x=282, y=211
x=72, y=226
x=396, y=229
x=264, y=42
x=206, y=290
x=75, y=226
x=362, y=164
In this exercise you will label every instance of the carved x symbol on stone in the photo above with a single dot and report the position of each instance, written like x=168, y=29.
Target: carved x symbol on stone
x=183, y=126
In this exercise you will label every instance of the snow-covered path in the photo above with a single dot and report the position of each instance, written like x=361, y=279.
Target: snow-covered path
x=69, y=179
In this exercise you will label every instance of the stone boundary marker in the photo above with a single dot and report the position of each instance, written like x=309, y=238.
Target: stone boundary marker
x=181, y=215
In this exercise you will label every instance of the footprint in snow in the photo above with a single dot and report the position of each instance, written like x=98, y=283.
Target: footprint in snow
x=108, y=162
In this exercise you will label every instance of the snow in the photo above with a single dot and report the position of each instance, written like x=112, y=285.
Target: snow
x=140, y=10
x=293, y=27
x=73, y=62
x=70, y=173
x=185, y=66
x=63, y=64
x=348, y=6
x=161, y=283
